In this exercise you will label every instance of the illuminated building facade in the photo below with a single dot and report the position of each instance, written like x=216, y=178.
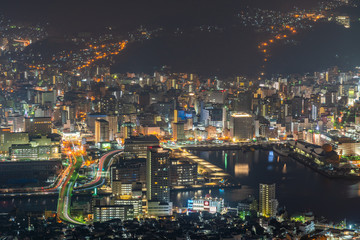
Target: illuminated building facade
x=267, y=201
x=178, y=131
x=8, y=138
x=28, y=152
x=101, y=130
x=183, y=173
x=109, y=212
x=38, y=125
x=158, y=174
x=138, y=145
x=242, y=126
x=136, y=203
x=208, y=204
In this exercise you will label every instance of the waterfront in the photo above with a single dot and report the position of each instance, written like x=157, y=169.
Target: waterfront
x=28, y=204
x=298, y=188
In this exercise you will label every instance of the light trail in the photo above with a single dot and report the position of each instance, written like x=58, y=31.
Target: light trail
x=104, y=164
x=65, y=194
x=39, y=190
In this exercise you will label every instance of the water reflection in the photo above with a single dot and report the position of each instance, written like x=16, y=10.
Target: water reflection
x=241, y=169
x=354, y=190
x=298, y=187
x=271, y=157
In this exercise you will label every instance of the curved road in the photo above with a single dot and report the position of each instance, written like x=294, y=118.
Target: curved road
x=68, y=186
x=64, y=201
x=104, y=164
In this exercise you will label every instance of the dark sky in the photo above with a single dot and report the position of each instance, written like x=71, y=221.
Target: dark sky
x=226, y=53
x=90, y=15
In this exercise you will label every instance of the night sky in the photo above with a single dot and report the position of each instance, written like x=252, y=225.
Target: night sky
x=228, y=53
x=80, y=15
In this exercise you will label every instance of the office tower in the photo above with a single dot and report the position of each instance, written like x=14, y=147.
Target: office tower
x=113, y=127
x=244, y=102
x=158, y=182
x=158, y=174
x=242, y=126
x=127, y=175
x=138, y=144
x=101, y=130
x=267, y=201
x=129, y=171
x=38, y=126
x=178, y=131
x=183, y=172
x=297, y=106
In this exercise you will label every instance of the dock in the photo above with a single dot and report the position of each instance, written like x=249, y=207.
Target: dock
x=211, y=170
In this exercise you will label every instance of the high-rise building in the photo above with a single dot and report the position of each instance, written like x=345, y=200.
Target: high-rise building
x=297, y=106
x=244, y=102
x=38, y=125
x=183, y=172
x=101, y=130
x=129, y=171
x=242, y=126
x=267, y=201
x=138, y=145
x=158, y=174
x=113, y=127
x=178, y=131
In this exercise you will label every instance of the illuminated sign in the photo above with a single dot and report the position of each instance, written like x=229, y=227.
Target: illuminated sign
x=212, y=210
x=190, y=204
x=206, y=203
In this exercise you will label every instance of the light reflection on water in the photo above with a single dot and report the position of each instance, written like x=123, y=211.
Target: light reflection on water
x=241, y=169
x=297, y=187
x=284, y=169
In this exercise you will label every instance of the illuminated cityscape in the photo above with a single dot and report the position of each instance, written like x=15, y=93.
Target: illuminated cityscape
x=199, y=120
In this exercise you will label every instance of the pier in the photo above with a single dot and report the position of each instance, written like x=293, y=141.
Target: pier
x=204, y=167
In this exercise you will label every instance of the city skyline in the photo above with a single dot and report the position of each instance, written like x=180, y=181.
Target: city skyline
x=180, y=119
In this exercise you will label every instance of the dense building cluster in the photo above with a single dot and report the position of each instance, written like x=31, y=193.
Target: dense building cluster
x=70, y=126
x=193, y=226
